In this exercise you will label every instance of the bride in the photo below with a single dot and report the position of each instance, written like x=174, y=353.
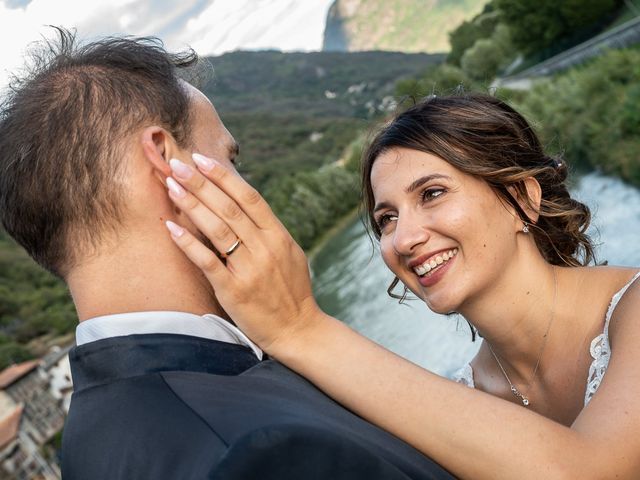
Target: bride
x=472, y=217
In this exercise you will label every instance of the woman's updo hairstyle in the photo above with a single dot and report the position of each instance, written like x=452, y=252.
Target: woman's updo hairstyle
x=484, y=137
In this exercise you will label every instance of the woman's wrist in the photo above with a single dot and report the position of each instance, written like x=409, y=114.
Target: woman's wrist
x=300, y=335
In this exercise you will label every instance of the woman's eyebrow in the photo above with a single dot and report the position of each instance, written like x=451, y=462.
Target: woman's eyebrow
x=413, y=187
x=380, y=206
x=422, y=180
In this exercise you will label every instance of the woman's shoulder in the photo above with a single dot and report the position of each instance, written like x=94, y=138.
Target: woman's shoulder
x=607, y=274
x=599, y=285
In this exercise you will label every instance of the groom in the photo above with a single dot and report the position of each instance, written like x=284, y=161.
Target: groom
x=165, y=386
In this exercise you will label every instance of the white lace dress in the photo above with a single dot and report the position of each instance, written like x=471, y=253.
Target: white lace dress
x=600, y=352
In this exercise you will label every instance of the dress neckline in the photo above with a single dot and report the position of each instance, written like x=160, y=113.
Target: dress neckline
x=600, y=350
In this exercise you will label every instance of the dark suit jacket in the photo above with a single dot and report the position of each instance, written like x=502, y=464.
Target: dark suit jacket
x=179, y=407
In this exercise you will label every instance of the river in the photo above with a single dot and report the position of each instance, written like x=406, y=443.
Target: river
x=350, y=280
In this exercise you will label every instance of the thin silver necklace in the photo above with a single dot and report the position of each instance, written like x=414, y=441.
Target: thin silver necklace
x=523, y=396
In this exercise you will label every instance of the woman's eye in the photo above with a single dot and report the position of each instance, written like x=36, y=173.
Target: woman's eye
x=432, y=193
x=383, y=220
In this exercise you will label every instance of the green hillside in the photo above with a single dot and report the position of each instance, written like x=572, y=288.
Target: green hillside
x=294, y=112
x=396, y=25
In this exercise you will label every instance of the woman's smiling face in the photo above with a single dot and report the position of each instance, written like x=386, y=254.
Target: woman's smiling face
x=445, y=234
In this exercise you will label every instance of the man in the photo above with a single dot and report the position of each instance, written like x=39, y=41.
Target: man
x=165, y=388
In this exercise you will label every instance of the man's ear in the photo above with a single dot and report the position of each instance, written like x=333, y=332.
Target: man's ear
x=158, y=147
x=531, y=204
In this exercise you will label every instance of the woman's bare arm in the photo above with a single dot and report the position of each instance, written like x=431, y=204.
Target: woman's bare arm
x=265, y=288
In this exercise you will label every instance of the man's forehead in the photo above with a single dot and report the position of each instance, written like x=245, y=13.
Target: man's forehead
x=194, y=94
x=208, y=126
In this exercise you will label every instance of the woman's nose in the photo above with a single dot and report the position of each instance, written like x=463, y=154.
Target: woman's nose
x=408, y=234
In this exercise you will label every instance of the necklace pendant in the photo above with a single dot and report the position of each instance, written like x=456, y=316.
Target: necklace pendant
x=523, y=398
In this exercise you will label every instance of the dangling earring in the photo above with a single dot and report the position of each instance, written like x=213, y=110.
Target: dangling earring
x=525, y=227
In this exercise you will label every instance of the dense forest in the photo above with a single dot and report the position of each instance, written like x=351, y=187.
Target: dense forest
x=33, y=303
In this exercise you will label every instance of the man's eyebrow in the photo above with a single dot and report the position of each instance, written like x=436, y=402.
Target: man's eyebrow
x=422, y=180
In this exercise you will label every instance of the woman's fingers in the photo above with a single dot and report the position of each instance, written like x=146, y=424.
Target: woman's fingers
x=213, y=268
x=216, y=230
x=264, y=285
x=204, y=198
x=240, y=191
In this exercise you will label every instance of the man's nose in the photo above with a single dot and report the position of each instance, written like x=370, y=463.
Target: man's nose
x=409, y=234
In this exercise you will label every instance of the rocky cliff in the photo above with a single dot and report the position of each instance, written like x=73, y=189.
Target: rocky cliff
x=395, y=25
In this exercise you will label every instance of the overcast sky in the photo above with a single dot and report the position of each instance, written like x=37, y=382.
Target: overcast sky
x=209, y=26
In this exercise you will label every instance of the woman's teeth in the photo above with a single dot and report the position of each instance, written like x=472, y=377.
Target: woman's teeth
x=434, y=262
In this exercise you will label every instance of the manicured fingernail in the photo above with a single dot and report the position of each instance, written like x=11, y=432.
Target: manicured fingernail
x=175, y=229
x=175, y=188
x=180, y=169
x=203, y=162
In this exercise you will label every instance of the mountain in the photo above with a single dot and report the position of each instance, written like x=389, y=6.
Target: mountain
x=395, y=25
x=323, y=83
x=298, y=111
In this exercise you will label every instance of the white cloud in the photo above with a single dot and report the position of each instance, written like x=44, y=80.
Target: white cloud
x=21, y=26
x=209, y=26
x=258, y=24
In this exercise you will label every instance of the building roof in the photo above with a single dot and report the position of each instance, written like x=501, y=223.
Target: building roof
x=9, y=426
x=55, y=355
x=14, y=373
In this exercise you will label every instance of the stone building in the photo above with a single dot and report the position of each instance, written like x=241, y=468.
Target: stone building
x=20, y=457
x=34, y=398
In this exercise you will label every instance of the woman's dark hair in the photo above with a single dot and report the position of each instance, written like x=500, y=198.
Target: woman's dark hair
x=484, y=137
x=64, y=128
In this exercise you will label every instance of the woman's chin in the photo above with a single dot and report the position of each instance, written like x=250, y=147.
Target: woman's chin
x=442, y=306
x=438, y=302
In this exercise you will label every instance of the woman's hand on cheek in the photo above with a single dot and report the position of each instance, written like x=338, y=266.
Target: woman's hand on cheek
x=263, y=281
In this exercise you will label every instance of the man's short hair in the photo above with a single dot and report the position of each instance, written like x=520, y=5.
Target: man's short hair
x=63, y=132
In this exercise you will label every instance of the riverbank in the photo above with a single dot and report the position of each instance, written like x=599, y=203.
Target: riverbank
x=331, y=232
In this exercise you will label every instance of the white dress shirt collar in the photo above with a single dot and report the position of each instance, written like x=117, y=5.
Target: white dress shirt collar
x=179, y=323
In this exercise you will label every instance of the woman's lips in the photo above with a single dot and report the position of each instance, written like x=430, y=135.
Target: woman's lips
x=436, y=274
x=434, y=261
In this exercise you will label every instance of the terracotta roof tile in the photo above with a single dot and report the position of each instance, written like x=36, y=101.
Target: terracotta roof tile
x=15, y=372
x=9, y=426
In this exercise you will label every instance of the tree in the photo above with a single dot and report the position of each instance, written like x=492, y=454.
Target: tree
x=11, y=352
x=468, y=33
x=461, y=39
x=537, y=25
x=488, y=55
x=443, y=79
x=481, y=61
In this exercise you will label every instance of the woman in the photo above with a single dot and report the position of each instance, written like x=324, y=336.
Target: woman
x=472, y=217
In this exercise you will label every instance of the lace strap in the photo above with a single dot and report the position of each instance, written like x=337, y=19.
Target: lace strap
x=600, y=348
x=614, y=301
x=464, y=376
